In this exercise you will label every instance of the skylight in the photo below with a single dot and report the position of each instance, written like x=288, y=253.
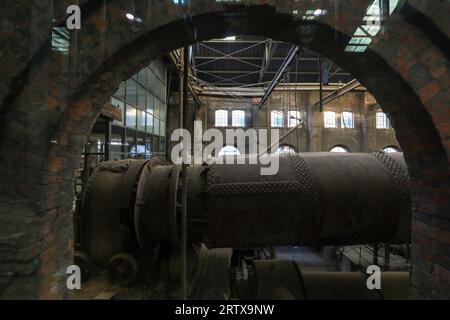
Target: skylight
x=371, y=26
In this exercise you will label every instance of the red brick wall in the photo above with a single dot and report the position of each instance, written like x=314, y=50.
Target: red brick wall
x=47, y=112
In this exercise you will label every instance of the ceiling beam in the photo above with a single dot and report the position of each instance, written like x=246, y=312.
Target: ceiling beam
x=229, y=55
x=251, y=58
x=269, y=72
x=289, y=58
x=269, y=51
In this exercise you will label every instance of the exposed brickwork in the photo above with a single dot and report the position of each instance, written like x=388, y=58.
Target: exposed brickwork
x=43, y=131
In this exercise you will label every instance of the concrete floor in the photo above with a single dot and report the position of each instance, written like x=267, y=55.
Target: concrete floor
x=308, y=258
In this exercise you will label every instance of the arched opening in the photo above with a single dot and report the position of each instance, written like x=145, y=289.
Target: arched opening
x=340, y=149
x=391, y=149
x=229, y=151
x=285, y=149
x=420, y=131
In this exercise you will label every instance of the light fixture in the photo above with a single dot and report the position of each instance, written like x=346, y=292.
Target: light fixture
x=130, y=16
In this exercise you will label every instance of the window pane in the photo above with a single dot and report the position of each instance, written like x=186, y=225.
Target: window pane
x=121, y=91
x=132, y=92
x=142, y=97
x=141, y=120
x=138, y=150
x=142, y=77
x=131, y=141
x=150, y=103
x=238, y=118
x=131, y=117
x=149, y=146
x=156, y=126
x=347, y=120
x=221, y=118
x=329, y=119
x=117, y=143
x=156, y=105
x=162, y=111
x=151, y=79
x=149, y=123
x=276, y=119
x=294, y=118
x=382, y=121
x=162, y=128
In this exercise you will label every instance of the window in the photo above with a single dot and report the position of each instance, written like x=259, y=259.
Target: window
x=391, y=149
x=238, y=118
x=329, y=119
x=142, y=97
x=276, y=119
x=131, y=117
x=340, y=149
x=382, y=121
x=229, y=151
x=285, y=150
x=149, y=123
x=294, y=118
x=141, y=121
x=347, y=120
x=221, y=118
x=131, y=92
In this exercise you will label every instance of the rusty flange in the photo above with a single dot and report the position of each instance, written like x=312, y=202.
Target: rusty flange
x=107, y=224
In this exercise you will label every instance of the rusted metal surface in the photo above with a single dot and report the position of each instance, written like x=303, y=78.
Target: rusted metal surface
x=152, y=221
x=314, y=199
x=107, y=209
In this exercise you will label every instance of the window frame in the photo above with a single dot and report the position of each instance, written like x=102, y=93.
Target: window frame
x=352, y=120
x=326, y=123
x=292, y=123
x=279, y=115
x=382, y=121
x=238, y=121
x=221, y=121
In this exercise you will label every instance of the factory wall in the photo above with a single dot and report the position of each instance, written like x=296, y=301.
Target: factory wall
x=361, y=136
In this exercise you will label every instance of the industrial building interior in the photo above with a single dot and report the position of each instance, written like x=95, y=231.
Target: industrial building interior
x=349, y=99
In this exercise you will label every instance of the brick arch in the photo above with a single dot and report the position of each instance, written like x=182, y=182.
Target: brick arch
x=395, y=61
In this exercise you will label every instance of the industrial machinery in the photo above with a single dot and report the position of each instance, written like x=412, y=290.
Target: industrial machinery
x=131, y=209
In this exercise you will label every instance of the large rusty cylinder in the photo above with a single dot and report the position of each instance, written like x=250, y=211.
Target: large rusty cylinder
x=314, y=199
x=107, y=209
